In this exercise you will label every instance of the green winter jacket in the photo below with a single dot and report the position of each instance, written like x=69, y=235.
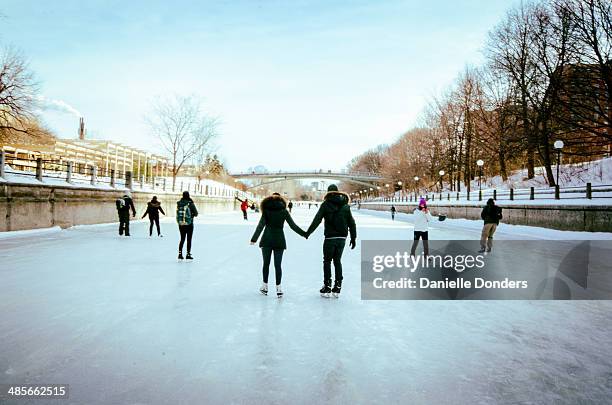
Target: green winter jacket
x=336, y=211
x=273, y=216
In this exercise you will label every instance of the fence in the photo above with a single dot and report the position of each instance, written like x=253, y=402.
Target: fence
x=79, y=173
x=588, y=191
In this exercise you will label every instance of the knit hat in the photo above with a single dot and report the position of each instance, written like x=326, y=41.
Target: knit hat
x=422, y=202
x=332, y=187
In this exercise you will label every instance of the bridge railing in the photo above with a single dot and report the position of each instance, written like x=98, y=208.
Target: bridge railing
x=307, y=172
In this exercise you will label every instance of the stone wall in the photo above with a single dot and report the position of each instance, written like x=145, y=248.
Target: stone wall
x=26, y=206
x=591, y=218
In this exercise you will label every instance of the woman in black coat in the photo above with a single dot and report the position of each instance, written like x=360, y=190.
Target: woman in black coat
x=153, y=210
x=273, y=216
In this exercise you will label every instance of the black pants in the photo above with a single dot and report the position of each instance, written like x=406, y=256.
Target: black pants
x=420, y=235
x=393, y=216
x=244, y=214
x=151, y=222
x=332, y=252
x=278, y=259
x=124, y=224
x=186, y=232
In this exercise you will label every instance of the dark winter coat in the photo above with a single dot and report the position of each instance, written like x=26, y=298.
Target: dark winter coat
x=153, y=210
x=491, y=213
x=273, y=216
x=336, y=212
x=124, y=211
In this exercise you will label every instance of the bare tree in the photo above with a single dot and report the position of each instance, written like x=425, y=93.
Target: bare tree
x=17, y=92
x=183, y=129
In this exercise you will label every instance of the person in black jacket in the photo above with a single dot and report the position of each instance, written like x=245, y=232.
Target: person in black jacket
x=153, y=210
x=290, y=206
x=336, y=212
x=186, y=211
x=491, y=214
x=124, y=204
x=393, y=210
x=273, y=216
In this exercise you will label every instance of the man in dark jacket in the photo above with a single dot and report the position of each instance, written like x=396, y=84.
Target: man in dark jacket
x=336, y=212
x=124, y=204
x=153, y=210
x=186, y=211
x=491, y=214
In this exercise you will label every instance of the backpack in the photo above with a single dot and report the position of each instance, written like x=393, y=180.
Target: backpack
x=183, y=214
x=120, y=203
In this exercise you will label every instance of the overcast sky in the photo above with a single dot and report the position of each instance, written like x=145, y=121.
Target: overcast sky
x=296, y=84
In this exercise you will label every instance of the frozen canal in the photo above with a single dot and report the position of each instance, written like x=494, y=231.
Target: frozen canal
x=122, y=322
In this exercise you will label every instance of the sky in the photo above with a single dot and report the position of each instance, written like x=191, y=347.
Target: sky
x=295, y=84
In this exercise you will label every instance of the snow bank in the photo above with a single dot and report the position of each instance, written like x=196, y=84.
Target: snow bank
x=30, y=232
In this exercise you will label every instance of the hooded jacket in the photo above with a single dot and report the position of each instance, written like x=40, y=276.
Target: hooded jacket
x=273, y=216
x=336, y=212
x=153, y=209
x=491, y=213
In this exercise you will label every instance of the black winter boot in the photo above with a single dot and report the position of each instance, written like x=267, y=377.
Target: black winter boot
x=337, y=287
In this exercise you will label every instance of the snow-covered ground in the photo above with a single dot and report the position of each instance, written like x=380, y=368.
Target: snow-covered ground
x=122, y=321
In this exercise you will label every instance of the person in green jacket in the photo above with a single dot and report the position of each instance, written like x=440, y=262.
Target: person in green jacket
x=273, y=216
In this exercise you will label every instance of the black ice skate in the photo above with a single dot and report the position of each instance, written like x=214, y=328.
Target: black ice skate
x=180, y=256
x=325, y=290
x=336, y=290
x=189, y=257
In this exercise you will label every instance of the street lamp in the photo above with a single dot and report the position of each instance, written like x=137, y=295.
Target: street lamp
x=416, y=186
x=558, y=146
x=441, y=173
x=480, y=163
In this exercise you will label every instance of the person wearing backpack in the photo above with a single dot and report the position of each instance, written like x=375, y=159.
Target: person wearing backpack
x=273, y=216
x=124, y=204
x=491, y=214
x=393, y=210
x=186, y=211
x=153, y=210
x=336, y=212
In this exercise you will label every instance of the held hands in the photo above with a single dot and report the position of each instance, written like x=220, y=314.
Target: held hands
x=352, y=244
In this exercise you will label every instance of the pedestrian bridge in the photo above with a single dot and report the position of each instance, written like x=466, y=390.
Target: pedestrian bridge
x=367, y=179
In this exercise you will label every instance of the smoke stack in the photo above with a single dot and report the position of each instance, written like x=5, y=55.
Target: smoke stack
x=81, y=128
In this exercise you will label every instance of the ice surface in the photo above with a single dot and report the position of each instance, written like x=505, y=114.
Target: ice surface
x=123, y=322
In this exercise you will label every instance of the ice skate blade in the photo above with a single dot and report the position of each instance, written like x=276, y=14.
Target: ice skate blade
x=325, y=295
x=336, y=295
x=279, y=296
x=263, y=292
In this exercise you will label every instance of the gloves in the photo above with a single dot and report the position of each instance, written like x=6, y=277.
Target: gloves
x=352, y=244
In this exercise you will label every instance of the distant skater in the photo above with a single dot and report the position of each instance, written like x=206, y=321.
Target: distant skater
x=336, y=212
x=422, y=218
x=153, y=210
x=393, y=212
x=273, y=216
x=124, y=205
x=290, y=206
x=244, y=206
x=186, y=211
x=491, y=214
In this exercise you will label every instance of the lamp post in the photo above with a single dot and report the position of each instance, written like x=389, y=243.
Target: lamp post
x=480, y=163
x=399, y=183
x=441, y=173
x=558, y=146
x=416, y=186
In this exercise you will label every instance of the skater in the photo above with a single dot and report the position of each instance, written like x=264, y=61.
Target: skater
x=124, y=204
x=336, y=212
x=186, y=211
x=273, y=216
x=393, y=212
x=491, y=214
x=290, y=206
x=422, y=217
x=153, y=210
x=244, y=206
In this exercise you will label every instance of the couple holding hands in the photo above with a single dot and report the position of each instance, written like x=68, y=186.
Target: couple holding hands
x=339, y=223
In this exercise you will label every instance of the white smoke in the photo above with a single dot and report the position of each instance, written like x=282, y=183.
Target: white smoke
x=49, y=104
